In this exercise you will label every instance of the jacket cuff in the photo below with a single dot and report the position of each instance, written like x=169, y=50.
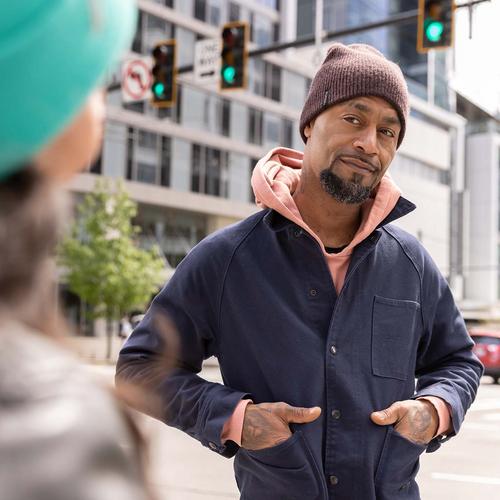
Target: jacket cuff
x=444, y=414
x=233, y=427
x=454, y=404
x=216, y=415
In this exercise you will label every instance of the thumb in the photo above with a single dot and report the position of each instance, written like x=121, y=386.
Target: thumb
x=388, y=416
x=297, y=415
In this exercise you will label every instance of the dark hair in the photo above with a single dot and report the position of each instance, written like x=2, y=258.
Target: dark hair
x=31, y=214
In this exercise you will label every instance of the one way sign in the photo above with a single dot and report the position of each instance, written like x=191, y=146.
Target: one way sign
x=207, y=60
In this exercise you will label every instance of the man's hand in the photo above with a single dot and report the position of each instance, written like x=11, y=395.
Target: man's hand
x=267, y=424
x=416, y=420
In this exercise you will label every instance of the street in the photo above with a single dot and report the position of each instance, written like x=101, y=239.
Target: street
x=465, y=468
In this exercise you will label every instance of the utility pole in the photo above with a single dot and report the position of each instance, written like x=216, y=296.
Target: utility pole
x=318, y=35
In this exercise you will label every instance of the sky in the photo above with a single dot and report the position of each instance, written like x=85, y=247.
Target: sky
x=477, y=60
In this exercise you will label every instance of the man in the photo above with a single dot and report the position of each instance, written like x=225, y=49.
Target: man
x=320, y=312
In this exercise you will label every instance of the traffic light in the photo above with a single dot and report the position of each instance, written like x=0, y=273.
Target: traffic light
x=164, y=86
x=435, y=24
x=233, y=73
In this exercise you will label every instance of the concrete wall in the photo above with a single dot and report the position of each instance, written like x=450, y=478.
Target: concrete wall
x=430, y=222
x=482, y=181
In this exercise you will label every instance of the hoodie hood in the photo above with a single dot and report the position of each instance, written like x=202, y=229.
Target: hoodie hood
x=275, y=179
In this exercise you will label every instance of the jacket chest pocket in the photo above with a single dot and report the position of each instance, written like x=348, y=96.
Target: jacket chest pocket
x=393, y=330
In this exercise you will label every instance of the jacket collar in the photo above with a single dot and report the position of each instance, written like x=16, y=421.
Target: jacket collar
x=403, y=207
x=278, y=222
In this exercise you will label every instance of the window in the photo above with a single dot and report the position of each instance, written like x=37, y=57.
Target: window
x=273, y=82
x=147, y=139
x=251, y=166
x=416, y=168
x=265, y=79
x=200, y=9
x=287, y=133
x=137, y=42
x=155, y=29
x=306, y=12
x=148, y=157
x=272, y=128
x=224, y=107
x=209, y=171
x=214, y=9
x=262, y=30
x=208, y=11
x=255, y=122
x=137, y=106
x=146, y=173
x=96, y=167
x=165, y=161
x=234, y=12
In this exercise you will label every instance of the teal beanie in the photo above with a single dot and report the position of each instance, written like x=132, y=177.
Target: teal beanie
x=53, y=53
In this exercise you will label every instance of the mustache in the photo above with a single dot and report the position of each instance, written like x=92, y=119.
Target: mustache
x=372, y=165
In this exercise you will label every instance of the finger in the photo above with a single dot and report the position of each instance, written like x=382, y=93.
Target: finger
x=298, y=415
x=388, y=416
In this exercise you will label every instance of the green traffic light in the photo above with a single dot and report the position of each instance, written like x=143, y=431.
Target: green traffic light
x=434, y=30
x=158, y=89
x=228, y=74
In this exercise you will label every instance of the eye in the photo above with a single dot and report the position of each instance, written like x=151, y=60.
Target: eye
x=388, y=132
x=352, y=119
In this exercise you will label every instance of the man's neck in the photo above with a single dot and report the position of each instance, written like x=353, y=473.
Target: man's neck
x=335, y=223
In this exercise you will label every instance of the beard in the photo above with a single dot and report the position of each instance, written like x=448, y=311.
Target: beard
x=350, y=192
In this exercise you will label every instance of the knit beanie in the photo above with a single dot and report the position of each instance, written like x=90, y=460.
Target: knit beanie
x=53, y=53
x=356, y=70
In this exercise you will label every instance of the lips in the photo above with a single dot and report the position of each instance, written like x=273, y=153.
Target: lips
x=358, y=164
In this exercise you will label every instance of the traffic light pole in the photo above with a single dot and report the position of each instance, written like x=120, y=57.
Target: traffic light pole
x=394, y=20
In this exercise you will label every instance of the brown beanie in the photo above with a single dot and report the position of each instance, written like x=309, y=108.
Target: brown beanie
x=356, y=70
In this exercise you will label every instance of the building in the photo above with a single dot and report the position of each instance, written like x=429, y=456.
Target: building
x=482, y=262
x=189, y=166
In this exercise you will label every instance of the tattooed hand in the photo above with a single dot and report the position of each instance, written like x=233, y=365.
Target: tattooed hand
x=267, y=424
x=416, y=420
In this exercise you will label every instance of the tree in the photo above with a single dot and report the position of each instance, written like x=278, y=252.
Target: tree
x=105, y=265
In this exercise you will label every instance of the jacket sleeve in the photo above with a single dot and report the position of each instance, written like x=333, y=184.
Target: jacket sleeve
x=190, y=303
x=446, y=366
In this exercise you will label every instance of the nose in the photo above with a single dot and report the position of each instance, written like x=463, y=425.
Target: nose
x=366, y=141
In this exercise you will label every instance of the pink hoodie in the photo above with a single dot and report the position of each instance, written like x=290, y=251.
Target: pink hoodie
x=274, y=180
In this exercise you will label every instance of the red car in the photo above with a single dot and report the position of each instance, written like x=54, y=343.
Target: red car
x=487, y=349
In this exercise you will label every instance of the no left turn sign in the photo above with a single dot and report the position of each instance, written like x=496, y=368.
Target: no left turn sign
x=136, y=79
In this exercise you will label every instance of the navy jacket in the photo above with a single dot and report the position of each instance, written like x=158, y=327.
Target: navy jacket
x=259, y=296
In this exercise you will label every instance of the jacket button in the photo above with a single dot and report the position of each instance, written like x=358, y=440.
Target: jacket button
x=333, y=349
x=336, y=414
x=213, y=446
x=334, y=480
x=313, y=292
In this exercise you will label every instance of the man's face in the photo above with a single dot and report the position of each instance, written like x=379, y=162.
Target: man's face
x=350, y=146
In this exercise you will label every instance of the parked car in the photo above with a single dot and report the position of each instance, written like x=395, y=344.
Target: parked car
x=487, y=349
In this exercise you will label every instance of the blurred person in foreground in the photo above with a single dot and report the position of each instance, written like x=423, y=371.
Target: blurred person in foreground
x=320, y=311
x=61, y=436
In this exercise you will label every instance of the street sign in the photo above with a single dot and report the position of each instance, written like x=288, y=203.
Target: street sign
x=207, y=61
x=136, y=79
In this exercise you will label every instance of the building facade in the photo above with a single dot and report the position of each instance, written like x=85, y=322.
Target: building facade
x=189, y=166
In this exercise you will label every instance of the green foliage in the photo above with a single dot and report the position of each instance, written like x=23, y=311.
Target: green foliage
x=105, y=265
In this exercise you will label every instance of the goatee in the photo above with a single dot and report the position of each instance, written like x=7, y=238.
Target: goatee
x=350, y=192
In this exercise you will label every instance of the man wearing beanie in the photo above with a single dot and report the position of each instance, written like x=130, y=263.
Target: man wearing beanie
x=320, y=311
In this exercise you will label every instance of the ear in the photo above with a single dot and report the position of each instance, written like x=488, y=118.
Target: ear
x=308, y=129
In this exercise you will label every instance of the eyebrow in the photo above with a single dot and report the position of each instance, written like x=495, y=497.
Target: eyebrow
x=389, y=120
